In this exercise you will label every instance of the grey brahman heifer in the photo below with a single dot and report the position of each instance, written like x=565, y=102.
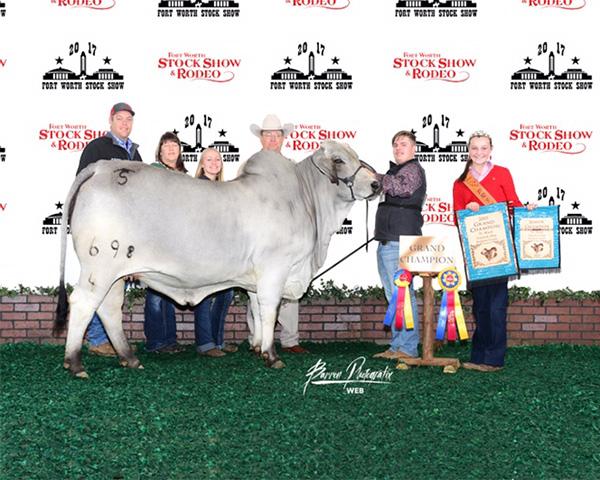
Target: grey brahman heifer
x=266, y=231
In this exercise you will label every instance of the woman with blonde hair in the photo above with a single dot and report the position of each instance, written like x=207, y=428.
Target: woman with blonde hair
x=210, y=314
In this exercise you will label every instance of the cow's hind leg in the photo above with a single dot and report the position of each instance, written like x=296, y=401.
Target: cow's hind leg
x=83, y=304
x=111, y=314
x=268, y=315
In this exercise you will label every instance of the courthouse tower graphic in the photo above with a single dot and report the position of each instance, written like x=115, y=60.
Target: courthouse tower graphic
x=198, y=4
x=436, y=4
x=187, y=148
x=455, y=146
x=311, y=65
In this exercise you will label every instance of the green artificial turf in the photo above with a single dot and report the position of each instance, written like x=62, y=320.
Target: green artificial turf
x=186, y=417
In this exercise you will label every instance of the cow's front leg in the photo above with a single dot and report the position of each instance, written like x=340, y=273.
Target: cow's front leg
x=268, y=318
x=256, y=327
x=269, y=297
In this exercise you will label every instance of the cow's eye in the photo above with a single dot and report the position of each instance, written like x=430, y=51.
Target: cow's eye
x=338, y=160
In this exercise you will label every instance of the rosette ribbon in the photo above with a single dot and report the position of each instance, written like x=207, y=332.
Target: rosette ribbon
x=400, y=306
x=451, y=314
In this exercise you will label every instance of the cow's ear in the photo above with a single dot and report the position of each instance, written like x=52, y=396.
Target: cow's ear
x=326, y=163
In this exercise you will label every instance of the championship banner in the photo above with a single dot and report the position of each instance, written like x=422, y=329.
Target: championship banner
x=451, y=314
x=400, y=306
x=537, y=238
x=487, y=243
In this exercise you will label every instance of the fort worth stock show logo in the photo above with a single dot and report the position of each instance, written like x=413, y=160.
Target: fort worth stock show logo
x=550, y=73
x=439, y=141
x=436, y=8
x=92, y=4
x=61, y=78
x=195, y=129
x=327, y=4
x=574, y=223
x=550, y=138
x=70, y=137
x=198, y=8
x=332, y=78
x=199, y=66
x=51, y=224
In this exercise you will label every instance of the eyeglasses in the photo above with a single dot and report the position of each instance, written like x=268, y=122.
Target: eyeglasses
x=272, y=134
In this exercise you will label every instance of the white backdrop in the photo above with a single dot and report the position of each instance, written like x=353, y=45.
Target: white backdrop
x=443, y=77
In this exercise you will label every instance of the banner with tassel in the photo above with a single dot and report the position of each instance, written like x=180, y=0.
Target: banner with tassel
x=400, y=307
x=451, y=315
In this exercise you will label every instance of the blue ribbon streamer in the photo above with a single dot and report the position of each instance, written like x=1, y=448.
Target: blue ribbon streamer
x=442, y=318
x=391, y=311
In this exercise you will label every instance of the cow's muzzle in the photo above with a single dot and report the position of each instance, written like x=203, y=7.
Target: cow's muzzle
x=349, y=181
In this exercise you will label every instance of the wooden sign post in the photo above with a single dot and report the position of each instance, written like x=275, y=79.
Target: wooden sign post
x=427, y=336
x=426, y=257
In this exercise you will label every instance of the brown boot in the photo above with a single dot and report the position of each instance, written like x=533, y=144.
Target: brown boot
x=103, y=350
x=480, y=367
x=230, y=348
x=294, y=349
x=213, y=352
x=391, y=355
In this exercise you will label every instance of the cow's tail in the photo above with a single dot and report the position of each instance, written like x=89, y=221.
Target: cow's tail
x=62, y=308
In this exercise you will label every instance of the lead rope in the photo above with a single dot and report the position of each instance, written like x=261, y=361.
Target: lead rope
x=366, y=245
x=367, y=227
x=340, y=261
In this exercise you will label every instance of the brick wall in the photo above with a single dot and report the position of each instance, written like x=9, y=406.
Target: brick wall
x=29, y=318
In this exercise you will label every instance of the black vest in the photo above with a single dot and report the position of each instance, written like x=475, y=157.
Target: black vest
x=401, y=215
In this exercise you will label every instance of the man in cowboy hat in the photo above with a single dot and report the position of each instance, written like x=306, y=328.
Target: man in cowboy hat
x=271, y=134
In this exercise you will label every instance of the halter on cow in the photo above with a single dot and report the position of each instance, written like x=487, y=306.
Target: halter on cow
x=267, y=231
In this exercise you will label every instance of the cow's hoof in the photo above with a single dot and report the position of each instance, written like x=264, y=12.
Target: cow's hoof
x=140, y=367
x=66, y=364
x=278, y=364
x=132, y=363
x=256, y=350
x=274, y=363
x=83, y=375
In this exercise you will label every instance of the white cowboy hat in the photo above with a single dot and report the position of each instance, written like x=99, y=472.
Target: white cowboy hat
x=272, y=122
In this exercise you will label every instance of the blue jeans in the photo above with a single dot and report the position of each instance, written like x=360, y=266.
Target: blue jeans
x=406, y=341
x=159, y=321
x=490, y=303
x=96, y=334
x=209, y=320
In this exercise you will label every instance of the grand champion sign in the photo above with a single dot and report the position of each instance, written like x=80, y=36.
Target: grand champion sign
x=424, y=254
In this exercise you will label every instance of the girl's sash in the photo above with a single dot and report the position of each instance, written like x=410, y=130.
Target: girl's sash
x=478, y=190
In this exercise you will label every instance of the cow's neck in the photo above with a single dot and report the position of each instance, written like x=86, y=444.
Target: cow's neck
x=326, y=207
